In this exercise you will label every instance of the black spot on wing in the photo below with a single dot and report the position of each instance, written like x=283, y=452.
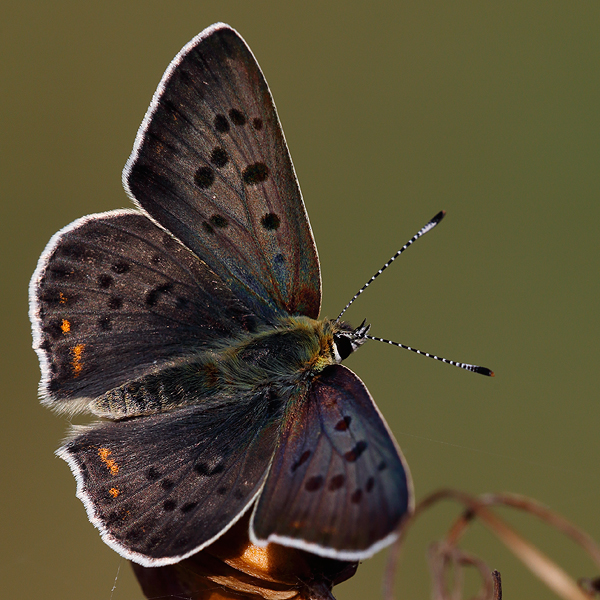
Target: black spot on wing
x=217, y=469
x=343, y=424
x=105, y=281
x=167, y=484
x=257, y=123
x=314, y=483
x=73, y=250
x=303, y=458
x=121, y=267
x=237, y=117
x=115, y=302
x=219, y=157
x=219, y=221
x=255, y=173
x=270, y=221
x=152, y=474
x=58, y=272
x=354, y=454
x=204, y=177
x=188, y=506
x=205, y=470
x=221, y=124
x=202, y=468
x=336, y=482
x=154, y=295
x=162, y=183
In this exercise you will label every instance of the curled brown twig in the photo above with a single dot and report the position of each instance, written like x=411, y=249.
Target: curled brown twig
x=443, y=558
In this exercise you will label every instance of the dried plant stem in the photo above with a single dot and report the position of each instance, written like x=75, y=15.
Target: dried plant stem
x=497, y=585
x=537, y=562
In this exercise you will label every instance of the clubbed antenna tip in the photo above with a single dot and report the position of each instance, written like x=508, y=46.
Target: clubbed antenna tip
x=485, y=371
x=465, y=366
x=430, y=225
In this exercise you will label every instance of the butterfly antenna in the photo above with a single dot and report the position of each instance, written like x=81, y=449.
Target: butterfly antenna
x=467, y=367
x=410, y=242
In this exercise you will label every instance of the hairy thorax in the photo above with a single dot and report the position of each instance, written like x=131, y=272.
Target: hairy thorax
x=287, y=356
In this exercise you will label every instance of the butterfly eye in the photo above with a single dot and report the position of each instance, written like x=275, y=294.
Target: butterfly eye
x=343, y=346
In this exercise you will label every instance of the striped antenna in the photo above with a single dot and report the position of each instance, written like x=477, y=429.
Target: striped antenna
x=410, y=242
x=472, y=368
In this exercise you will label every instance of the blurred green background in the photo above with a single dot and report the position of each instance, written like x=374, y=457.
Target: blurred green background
x=392, y=111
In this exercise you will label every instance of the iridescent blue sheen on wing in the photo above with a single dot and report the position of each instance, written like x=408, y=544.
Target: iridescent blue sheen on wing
x=211, y=165
x=338, y=485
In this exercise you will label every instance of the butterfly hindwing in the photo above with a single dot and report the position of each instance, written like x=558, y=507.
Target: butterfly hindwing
x=162, y=487
x=338, y=485
x=211, y=165
x=113, y=297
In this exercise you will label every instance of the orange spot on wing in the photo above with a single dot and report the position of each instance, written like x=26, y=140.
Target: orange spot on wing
x=62, y=299
x=65, y=326
x=77, y=360
x=114, y=492
x=111, y=463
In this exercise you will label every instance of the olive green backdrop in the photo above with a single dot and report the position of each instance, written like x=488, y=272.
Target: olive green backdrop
x=392, y=111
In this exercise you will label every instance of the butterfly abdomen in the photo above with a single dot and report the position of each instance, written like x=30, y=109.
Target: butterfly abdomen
x=192, y=382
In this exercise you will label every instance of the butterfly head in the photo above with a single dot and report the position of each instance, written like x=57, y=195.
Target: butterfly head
x=335, y=341
x=346, y=340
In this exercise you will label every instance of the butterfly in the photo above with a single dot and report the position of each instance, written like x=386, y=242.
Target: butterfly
x=190, y=325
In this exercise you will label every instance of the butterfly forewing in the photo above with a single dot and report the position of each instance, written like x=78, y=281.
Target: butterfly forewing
x=162, y=487
x=210, y=164
x=114, y=297
x=338, y=485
